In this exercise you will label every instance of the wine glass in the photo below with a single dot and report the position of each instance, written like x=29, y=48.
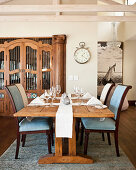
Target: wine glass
x=81, y=95
x=77, y=93
x=46, y=95
x=75, y=89
x=58, y=89
x=51, y=96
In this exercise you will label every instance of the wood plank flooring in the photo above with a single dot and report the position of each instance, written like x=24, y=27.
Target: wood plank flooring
x=127, y=133
x=7, y=133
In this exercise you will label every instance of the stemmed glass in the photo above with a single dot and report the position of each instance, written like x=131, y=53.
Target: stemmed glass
x=75, y=89
x=46, y=95
x=81, y=95
x=52, y=95
x=77, y=93
x=58, y=89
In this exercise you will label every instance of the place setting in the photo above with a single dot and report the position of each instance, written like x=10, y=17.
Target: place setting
x=50, y=98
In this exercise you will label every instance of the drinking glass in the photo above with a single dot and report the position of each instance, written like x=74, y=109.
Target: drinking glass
x=58, y=89
x=75, y=89
x=54, y=92
x=52, y=95
x=81, y=95
x=77, y=93
x=46, y=95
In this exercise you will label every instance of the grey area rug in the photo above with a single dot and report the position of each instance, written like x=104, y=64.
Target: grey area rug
x=104, y=156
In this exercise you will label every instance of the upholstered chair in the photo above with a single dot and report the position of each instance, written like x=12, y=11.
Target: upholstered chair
x=109, y=125
x=36, y=125
x=23, y=94
x=105, y=92
x=25, y=101
x=103, y=98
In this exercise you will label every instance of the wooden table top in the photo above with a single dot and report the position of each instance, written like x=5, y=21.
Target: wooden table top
x=78, y=111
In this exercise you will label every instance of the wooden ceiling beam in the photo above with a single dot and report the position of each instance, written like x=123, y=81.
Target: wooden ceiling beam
x=110, y=2
x=4, y=1
x=64, y=8
x=56, y=2
x=62, y=18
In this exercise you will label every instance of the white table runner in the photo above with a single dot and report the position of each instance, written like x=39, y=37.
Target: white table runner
x=64, y=121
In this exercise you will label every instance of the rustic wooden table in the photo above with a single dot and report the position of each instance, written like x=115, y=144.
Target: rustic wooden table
x=78, y=112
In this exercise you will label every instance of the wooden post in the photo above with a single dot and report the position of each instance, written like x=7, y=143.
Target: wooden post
x=59, y=61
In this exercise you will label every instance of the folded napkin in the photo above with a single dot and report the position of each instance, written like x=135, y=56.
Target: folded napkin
x=94, y=101
x=97, y=103
x=64, y=121
x=37, y=101
x=87, y=96
x=42, y=96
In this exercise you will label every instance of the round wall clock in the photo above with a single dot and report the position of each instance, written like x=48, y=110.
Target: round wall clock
x=82, y=54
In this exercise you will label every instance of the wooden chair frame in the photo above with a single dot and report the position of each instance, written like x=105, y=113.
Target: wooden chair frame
x=78, y=120
x=87, y=131
x=48, y=132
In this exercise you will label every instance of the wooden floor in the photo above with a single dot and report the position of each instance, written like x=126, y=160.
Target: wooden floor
x=127, y=133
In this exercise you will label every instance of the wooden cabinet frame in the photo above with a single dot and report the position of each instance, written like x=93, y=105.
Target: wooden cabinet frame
x=57, y=65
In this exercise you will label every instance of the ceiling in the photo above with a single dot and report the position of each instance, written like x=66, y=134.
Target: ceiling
x=67, y=10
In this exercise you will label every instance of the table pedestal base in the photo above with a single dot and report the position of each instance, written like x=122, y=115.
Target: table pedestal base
x=51, y=159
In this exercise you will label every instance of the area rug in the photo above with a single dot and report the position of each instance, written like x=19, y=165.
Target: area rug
x=104, y=156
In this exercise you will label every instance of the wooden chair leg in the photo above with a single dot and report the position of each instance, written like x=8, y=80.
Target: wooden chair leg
x=108, y=136
x=23, y=140
x=52, y=138
x=17, y=145
x=82, y=134
x=116, y=143
x=49, y=143
x=86, y=142
x=77, y=128
x=103, y=138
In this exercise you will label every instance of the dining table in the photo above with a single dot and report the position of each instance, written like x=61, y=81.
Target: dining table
x=79, y=111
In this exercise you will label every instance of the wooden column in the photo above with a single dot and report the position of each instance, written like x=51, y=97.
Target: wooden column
x=59, y=61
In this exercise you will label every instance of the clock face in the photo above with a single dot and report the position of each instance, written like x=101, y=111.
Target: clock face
x=82, y=55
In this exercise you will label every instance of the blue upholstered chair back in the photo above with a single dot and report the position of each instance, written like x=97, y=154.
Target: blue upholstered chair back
x=17, y=98
x=116, y=99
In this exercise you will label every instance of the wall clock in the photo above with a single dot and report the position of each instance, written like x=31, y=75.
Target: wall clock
x=82, y=55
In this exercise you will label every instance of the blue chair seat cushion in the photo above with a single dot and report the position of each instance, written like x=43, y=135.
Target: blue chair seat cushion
x=96, y=124
x=35, y=125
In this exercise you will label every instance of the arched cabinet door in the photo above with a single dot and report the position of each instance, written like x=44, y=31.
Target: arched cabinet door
x=2, y=81
x=31, y=69
x=13, y=67
x=46, y=67
x=13, y=60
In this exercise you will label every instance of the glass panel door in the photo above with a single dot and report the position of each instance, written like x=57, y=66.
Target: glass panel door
x=31, y=70
x=2, y=91
x=14, y=65
x=2, y=60
x=46, y=68
x=31, y=66
x=1, y=70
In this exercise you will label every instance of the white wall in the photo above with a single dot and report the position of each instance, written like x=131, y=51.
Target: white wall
x=76, y=32
x=129, y=30
x=105, y=31
x=129, y=69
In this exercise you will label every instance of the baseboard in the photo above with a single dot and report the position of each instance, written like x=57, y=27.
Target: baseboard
x=132, y=102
